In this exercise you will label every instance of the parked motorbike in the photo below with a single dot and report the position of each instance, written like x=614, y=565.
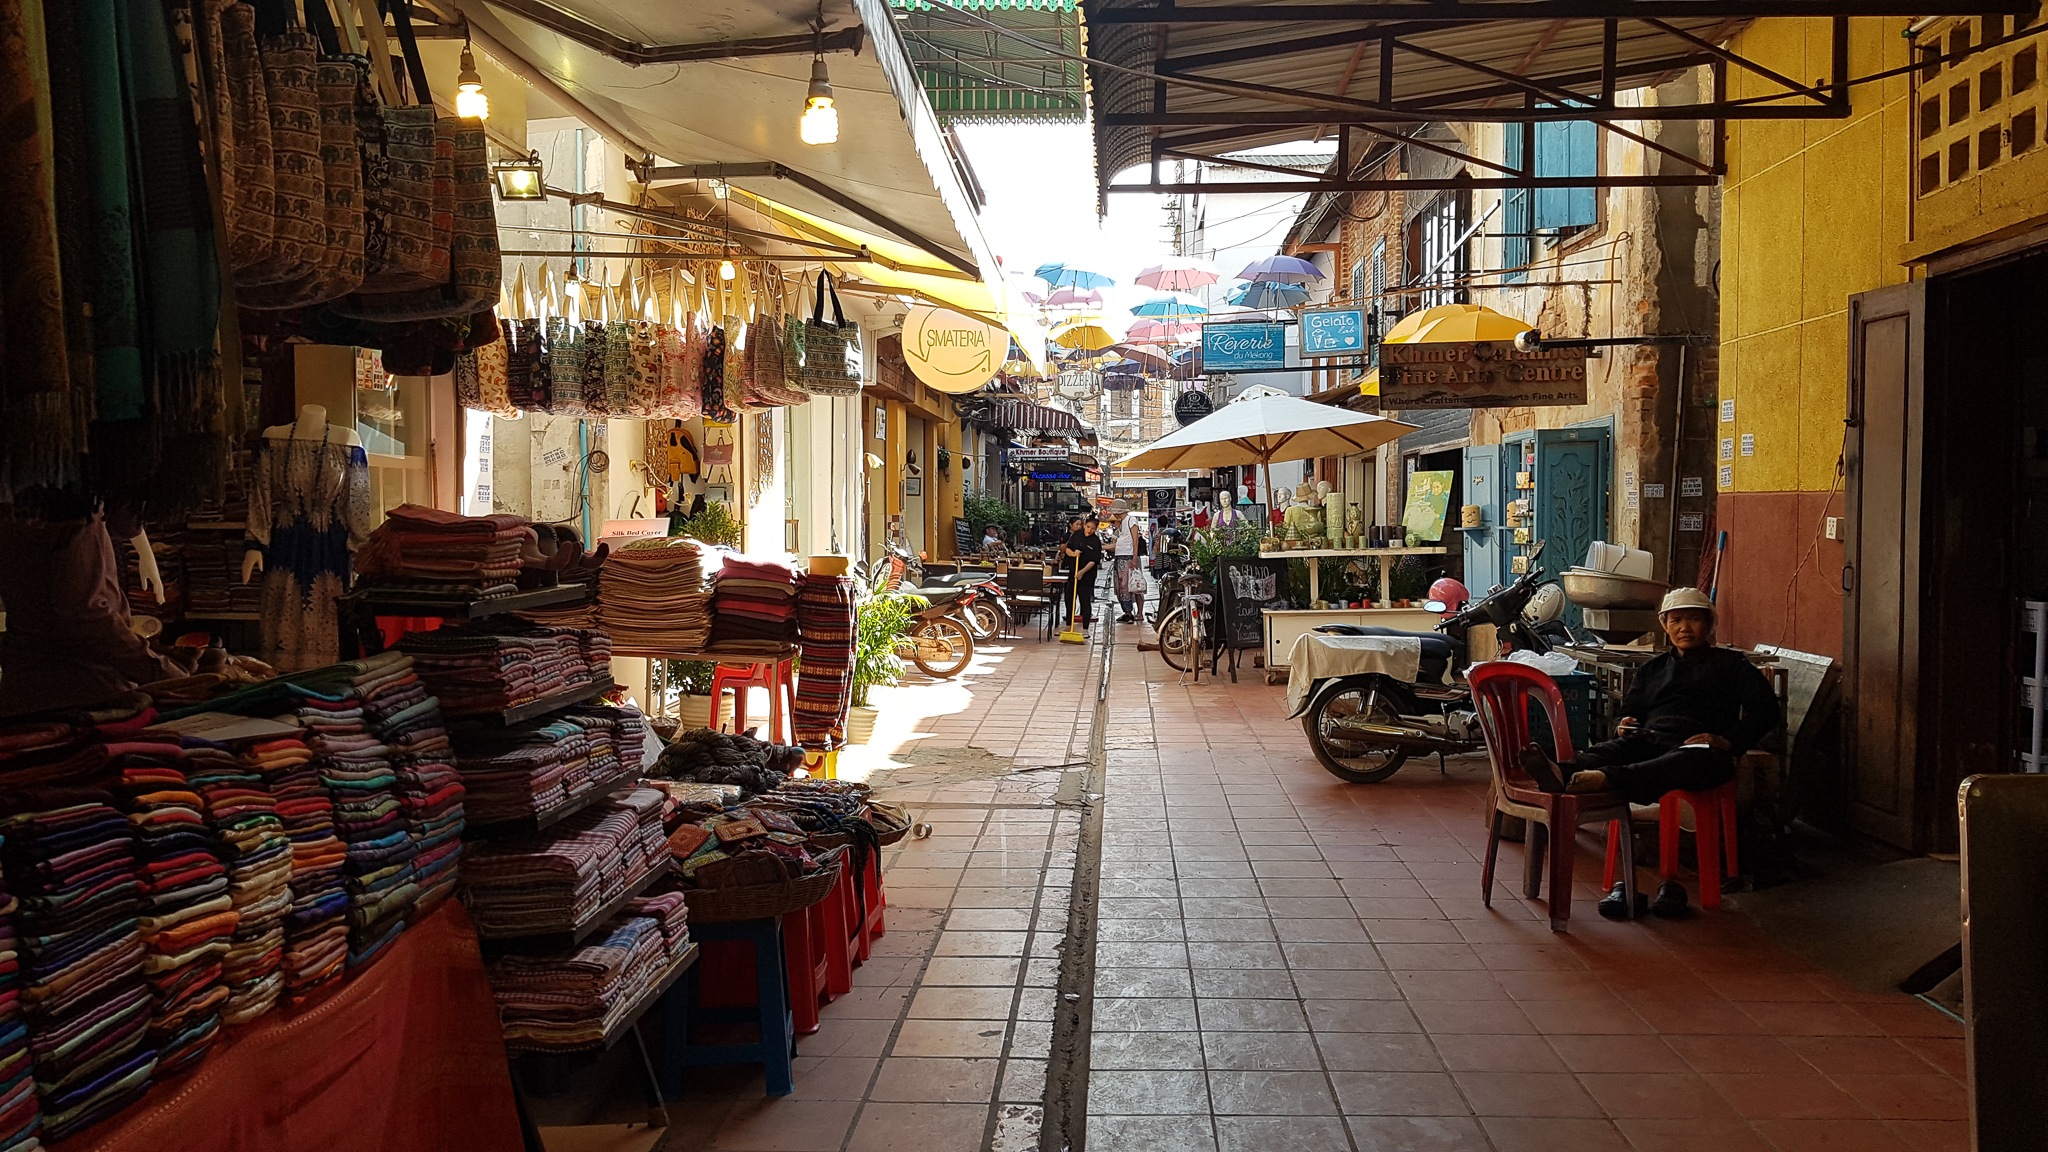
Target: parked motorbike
x=1362, y=728
x=986, y=614
x=938, y=639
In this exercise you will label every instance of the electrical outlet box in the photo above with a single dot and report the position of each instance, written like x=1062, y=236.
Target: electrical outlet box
x=1834, y=527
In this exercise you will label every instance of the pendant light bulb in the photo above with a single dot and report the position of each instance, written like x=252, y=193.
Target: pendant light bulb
x=726, y=271
x=470, y=101
x=820, y=124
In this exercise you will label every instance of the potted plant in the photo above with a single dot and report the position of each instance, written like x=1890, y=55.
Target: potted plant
x=691, y=681
x=878, y=621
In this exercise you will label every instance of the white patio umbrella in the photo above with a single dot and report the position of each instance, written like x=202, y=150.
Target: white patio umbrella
x=1263, y=428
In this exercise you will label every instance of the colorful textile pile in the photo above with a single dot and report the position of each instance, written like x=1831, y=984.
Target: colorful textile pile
x=420, y=544
x=492, y=665
x=529, y=769
x=213, y=581
x=753, y=609
x=571, y=999
x=824, y=685
x=356, y=768
x=670, y=910
x=651, y=596
x=20, y=1114
x=187, y=919
x=315, y=928
x=69, y=859
x=557, y=880
x=258, y=853
x=400, y=713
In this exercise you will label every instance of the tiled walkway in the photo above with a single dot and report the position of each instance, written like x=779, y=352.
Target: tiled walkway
x=1290, y=962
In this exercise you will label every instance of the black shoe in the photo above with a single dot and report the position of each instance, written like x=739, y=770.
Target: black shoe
x=1670, y=902
x=1614, y=905
x=1542, y=769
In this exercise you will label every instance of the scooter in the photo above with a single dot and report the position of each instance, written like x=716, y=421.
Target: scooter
x=938, y=638
x=1362, y=728
x=986, y=615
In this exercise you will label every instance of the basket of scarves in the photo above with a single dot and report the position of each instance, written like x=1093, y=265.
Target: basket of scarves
x=891, y=821
x=756, y=885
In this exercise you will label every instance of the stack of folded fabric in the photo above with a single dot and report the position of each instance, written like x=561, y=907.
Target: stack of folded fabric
x=753, y=608
x=461, y=555
x=315, y=927
x=503, y=663
x=258, y=853
x=618, y=737
x=369, y=819
x=20, y=1114
x=651, y=596
x=520, y=770
x=557, y=880
x=572, y=999
x=212, y=578
x=70, y=861
x=188, y=917
x=670, y=910
x=824, y=685
x=400, y=714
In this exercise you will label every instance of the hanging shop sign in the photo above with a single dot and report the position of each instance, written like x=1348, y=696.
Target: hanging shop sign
x=1333, y=332
x=1039, y=453
x=1479, y=374
x=1064, y=474
x=1192, y=406
x=952, y=352
x=1243, y=347
x=1161, y=499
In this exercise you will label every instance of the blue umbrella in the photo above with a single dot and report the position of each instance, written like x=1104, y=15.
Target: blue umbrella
x=1281, y=269
x=1169, y=306
x=1061, y=276
x=1266, y=294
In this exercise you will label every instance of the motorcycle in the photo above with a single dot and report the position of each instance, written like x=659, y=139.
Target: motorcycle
x=986, y=615
x=937, y=639
x=1363, y=728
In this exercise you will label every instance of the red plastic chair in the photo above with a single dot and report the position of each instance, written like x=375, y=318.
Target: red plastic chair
x=1501, y=691
x=864, y=930
x=1714, y=832
x=776, y=677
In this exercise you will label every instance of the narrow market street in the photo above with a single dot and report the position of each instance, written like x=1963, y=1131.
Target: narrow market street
x=1282, y=960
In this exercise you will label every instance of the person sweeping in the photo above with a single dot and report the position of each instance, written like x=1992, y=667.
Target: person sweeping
x=1083, y=550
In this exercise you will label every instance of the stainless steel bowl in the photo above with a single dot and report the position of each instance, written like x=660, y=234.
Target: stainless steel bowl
x=1590, y=589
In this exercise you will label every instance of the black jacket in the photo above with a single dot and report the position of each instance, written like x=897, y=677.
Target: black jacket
x=1712, y=690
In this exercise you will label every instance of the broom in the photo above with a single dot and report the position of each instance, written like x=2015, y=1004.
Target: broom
x=1073, y=635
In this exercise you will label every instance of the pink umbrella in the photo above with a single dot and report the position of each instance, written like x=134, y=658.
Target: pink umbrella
x=1179, y=274
x=1065, y=296
x=1162, y=332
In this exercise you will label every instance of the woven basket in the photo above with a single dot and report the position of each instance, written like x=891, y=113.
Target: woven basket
x=760, y=901
x=891, y=822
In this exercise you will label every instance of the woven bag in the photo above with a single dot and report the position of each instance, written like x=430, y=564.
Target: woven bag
x=831, y=351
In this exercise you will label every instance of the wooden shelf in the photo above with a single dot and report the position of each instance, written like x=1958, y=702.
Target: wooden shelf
x=397, y=602
x=626, y=1023
x=542, y=821
x=1325, y=553
x=564, y=940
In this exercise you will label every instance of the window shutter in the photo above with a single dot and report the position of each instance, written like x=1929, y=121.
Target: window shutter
x=1515, y=227
x=1358, y=278
x=1566, y=148
x=1379, y=307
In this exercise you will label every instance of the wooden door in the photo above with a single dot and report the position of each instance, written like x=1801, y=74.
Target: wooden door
x=1573, y=466
x=1881, y=561
x=1482, y=545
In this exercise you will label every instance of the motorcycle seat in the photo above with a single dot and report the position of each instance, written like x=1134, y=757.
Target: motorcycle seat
x=1438, y=650
x=939, y=597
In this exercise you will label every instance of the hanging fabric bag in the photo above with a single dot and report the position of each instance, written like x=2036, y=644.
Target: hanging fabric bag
x=831, y=350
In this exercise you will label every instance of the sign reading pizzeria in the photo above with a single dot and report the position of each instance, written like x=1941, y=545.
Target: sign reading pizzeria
x=1481, y=374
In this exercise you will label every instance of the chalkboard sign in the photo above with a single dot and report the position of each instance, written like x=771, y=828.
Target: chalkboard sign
x=963, y=536
x=1249, y=586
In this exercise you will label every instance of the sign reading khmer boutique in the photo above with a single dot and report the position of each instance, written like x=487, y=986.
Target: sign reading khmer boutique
x=1484, y=374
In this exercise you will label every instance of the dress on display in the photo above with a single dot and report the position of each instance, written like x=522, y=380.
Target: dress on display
x=309, y=507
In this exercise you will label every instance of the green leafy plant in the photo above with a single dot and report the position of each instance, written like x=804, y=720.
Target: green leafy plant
x=945, y=458
x=1410, y=579
x=714, y=525
x=983, y=510
x=1210, y=544
x=691, y=677
x=878, y=621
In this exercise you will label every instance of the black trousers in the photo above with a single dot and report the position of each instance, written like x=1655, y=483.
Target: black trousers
x=1644, y=768
x=1087, y=587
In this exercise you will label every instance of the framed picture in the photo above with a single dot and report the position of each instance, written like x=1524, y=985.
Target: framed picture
x=913, y=486
x=719, y=493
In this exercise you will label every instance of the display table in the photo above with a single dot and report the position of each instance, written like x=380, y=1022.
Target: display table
x=407, y=1056
x=1283, y=627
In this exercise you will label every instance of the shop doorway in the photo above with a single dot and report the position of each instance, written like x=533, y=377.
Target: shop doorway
x=1570, y=470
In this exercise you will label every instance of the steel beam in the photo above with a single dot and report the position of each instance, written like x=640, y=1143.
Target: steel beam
x=1100, y=15
x=626, y=51
x=1272, y=187
x=1731, y=110
x=1359, y=36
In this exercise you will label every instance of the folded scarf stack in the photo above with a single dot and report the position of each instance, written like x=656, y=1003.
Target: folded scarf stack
x=824, y=685
x=400, y=713
x=258, y=853
x=315, y=933
x=490, y=666
x=753, y=608
x=357, y=771
x=570, y=1000
x=618, y=737
x=416, y=543
x=555, y=881
x=670, y=910
x=20, y=1114
x=188, y=917
x=69, y=859
x=651, y=596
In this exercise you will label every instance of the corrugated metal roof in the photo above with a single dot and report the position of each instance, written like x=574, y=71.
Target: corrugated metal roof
x=1530, y=48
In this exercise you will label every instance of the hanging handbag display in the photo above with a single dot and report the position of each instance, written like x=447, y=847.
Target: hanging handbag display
x=831, y=351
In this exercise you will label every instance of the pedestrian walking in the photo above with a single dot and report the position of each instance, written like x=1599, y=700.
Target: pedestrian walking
x=1129, y=572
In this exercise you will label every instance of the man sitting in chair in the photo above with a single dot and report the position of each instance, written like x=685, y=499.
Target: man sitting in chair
x=1692, y=712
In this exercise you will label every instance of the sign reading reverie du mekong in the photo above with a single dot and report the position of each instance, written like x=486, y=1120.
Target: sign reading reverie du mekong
x=1481, y=374
x=1243, y=347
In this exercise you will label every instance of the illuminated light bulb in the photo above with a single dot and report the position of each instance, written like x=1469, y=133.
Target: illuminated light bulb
x=470, y=101
x=726, y=270
x=820, y=123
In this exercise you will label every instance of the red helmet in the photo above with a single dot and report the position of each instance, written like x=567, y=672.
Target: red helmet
x=1452, y=593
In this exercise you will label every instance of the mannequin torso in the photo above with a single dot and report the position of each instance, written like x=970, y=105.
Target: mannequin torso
x=311, y=425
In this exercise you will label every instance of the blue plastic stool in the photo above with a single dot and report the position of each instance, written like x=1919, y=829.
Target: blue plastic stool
x=777, y=1044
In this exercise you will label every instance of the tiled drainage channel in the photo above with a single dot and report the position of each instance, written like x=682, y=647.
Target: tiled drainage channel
x=1064, y=1125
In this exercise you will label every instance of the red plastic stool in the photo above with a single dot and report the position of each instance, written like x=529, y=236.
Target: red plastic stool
x=871, y=887
x=775, y=677
x=1714, y=832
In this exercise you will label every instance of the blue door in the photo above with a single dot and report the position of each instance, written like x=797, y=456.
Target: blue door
x=1572, y=470
x=1482, y=545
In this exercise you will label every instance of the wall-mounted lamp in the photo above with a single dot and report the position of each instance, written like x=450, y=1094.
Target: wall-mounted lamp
x=520, y=179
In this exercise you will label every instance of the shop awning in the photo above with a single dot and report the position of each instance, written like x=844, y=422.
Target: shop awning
x=1024, y=416
x=1136, y=482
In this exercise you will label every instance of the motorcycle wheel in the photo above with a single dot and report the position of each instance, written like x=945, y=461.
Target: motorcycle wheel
x=942, y=648
x=1177, y=641
x=1352, y=758
x=987, y=621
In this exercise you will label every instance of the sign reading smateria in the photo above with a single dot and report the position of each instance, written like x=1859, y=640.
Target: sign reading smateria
x=952, y=352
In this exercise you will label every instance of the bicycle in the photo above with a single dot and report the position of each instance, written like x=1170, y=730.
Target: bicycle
x=1182, y=631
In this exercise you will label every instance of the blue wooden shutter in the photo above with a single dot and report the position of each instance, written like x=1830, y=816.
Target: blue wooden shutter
x=1482, y=545
x=1572, y=466
x=1382, y=314
x=1566, y=148
x=1514, y=245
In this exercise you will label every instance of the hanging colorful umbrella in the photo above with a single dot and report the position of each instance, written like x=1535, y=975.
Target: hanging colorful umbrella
x=1070, y=297
x=1457, y=323
x=1268, y=294
x=1163, y=332
x=1169, y=306
x=1089, y=337
x=1061, y=276
x=1281, y=270
x=1152, y=358
x=1179, y=274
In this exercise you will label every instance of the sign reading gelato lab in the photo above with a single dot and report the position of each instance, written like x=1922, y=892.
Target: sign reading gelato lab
x=951, y=352
x=1333, y=332
x=1243, y=347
